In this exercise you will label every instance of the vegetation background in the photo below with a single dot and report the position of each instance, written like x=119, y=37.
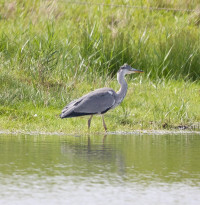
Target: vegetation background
x=52, y=51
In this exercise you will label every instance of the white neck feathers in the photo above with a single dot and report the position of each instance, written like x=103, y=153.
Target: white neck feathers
x=123, y=89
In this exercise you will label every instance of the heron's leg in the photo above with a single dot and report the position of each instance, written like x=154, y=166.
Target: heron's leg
x=89, y=121
x=104, y=124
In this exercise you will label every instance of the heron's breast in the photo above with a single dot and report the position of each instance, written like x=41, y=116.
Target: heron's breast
x=119, y=100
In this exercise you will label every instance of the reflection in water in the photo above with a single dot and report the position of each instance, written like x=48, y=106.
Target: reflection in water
x=115, y=169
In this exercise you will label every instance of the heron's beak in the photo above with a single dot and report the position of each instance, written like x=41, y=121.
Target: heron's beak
x=133, y=70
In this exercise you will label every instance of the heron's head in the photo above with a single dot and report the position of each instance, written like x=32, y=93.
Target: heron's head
x=127, y=69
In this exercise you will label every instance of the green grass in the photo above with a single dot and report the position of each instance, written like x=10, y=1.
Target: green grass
x=52, y=52
x=148, y=105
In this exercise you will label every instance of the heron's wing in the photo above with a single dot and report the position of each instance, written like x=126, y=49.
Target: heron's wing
x=96, y=102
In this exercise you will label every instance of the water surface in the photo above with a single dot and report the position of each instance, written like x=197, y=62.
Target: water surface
x=113, y=169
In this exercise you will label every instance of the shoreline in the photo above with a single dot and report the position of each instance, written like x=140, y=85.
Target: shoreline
x=136, y=132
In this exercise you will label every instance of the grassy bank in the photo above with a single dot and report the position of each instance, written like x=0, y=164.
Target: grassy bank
x=148, y=105
x=53, y=51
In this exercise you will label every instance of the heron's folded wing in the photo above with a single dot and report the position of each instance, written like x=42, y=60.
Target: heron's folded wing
x=95, y=103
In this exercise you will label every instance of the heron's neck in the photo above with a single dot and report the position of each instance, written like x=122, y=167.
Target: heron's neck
x=123, y=89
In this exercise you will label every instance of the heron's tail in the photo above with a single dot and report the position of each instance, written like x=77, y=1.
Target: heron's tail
x=62, y=116
x=66, y=112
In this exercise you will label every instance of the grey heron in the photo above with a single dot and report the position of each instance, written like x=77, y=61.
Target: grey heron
x=101, y=100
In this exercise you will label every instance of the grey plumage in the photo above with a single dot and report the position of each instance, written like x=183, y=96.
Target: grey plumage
x=99, y=101
x=95, y=102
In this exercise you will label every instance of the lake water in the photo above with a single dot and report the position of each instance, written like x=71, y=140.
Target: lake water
x=112, y=169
